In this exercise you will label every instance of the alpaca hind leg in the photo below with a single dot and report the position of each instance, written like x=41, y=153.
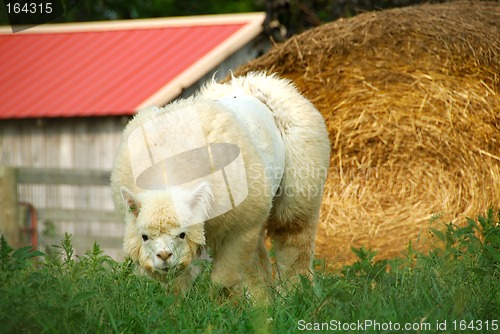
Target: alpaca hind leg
x=294, y=248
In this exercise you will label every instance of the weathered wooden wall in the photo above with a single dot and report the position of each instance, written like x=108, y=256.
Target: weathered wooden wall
x=76, y=203
x=8, y=206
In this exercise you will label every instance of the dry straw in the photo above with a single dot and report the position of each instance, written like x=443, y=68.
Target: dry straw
x=411, y=99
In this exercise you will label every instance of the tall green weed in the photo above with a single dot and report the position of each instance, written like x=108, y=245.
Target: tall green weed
x=57, y=292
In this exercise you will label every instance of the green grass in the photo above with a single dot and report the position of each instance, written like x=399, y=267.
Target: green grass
x=57, y=292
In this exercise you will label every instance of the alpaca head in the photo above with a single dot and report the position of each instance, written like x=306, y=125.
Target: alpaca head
x=165, y=229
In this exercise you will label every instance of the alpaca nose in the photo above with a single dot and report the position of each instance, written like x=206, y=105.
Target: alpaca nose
x=164, y=255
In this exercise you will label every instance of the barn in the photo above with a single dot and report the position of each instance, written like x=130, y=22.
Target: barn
x=66, y=92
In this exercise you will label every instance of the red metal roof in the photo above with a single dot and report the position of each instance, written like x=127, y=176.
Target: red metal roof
x=112, y=68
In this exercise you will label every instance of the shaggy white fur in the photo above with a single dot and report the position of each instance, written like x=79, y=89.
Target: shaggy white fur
x=285, y=152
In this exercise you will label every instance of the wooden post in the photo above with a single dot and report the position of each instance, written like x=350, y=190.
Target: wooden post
x=8, y=206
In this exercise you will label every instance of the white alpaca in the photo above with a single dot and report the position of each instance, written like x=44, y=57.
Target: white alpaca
x=267, y=160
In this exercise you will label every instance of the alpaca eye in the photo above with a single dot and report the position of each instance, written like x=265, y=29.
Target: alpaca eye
x=145, y=237
x=182, y=235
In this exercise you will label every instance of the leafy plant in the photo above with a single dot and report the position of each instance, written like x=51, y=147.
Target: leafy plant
x=59, y=292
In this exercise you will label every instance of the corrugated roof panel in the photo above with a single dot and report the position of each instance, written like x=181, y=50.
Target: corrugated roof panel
x=102, y=72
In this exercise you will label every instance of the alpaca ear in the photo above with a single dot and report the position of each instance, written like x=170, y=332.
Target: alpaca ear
x=132, y=204
x=200, y=202
x=193, y=205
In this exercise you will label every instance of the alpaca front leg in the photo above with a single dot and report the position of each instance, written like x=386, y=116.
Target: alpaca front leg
x=184, y=282
x=265, y=270
x=241, y=265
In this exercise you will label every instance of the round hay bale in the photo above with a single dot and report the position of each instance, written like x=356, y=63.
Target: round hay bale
x=411, y=98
